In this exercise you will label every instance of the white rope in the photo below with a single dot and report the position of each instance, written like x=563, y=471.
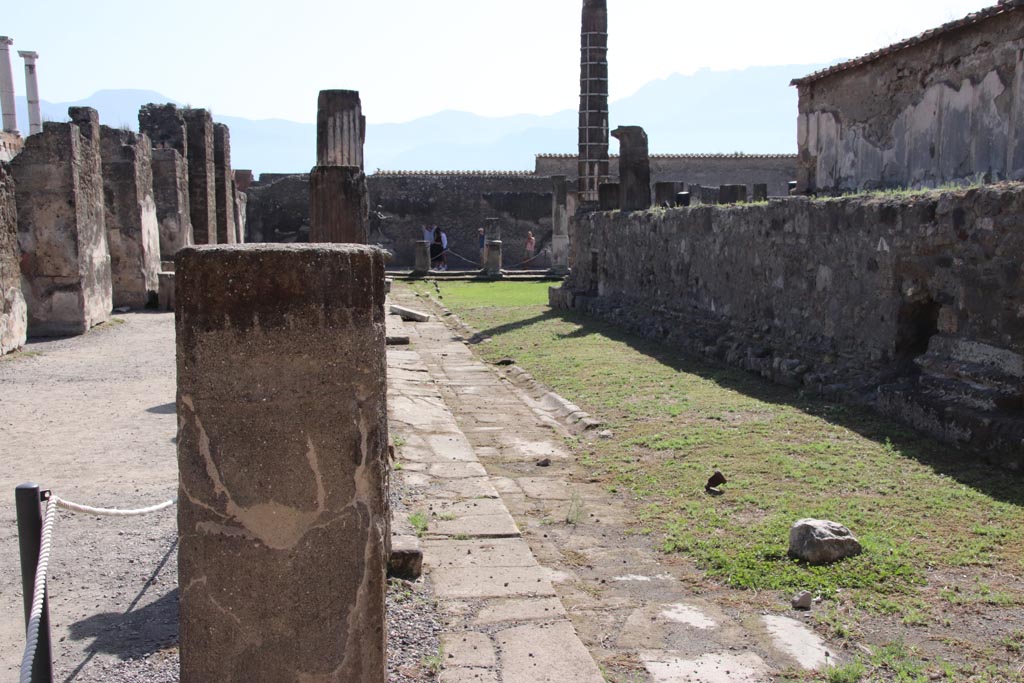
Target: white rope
x=38, y=593
x=111, y=512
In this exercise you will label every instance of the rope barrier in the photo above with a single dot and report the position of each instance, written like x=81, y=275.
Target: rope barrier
x=38, y=593
x=43, y=566
x=112, y=512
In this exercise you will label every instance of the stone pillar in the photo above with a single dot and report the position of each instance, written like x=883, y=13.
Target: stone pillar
x=760, y=192
x=241, y=205
x=224, y=184
x=339, y=201
x=593, y=131
x=243, y=179
x=283, y=513
x=65, y=262
x=167, y=131
x=13, y=311
x=422, y=258
x=559, y=225
x=608, y=197
x=732, y=194
x=492, y=247
x=634, y=168
x=339, y=205
x=340, y=129
x=133, y=233
x=10, y=114
x=35, y=115
x=202, y=185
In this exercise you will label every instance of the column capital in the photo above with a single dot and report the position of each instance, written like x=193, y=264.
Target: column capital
x=5, y=41
x=27, y=55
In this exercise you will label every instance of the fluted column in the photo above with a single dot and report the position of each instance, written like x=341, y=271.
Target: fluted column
x=10, y=116
x=35, y=115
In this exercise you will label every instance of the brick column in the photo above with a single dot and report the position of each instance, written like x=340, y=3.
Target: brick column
x=282, y=455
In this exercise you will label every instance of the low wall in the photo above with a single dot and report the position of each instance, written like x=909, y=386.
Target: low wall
x=402, y=203
x=914, y=304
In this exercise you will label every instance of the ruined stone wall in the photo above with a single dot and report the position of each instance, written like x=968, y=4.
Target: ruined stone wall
x=458, y=203
x=202, y=195
x=924, y=296
x=10, y=145
x=173, y=212
x=709, y=170
x=13, y=312
x=62, y=230
x=948, y=109
x=402, y=203
x=133, y=233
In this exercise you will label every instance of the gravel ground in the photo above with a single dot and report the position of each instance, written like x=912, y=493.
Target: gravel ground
x=93, y=419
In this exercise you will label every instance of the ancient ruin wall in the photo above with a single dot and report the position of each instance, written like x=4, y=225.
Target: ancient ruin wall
x=709, y=170
x=401, y=203
x=835, y=295
x=947, y=109
x=13, y=312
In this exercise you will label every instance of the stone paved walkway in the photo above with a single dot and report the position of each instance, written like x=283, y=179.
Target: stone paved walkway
x=534, y=564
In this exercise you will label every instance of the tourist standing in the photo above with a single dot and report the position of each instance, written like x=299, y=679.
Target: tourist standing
x=531, y=248
x=483, y=244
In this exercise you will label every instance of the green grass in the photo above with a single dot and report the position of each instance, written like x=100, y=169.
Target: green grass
x=419, y=522
x=914, y=503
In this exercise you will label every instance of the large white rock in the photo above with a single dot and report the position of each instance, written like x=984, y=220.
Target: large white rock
x=820, y=541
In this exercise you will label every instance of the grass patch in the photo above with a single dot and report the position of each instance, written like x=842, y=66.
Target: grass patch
x=19, y=355
x=914, y=503
x=419, y=522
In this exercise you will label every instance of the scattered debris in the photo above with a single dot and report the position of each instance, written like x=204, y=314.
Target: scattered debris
x=716, y=480
x=803, y=600
x=546, y=462
x=410, y=315
x=505, y=362
x=606, y=434
x=822, y=542
x=398, y=340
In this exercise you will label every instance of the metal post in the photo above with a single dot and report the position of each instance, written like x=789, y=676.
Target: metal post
x=30, y=528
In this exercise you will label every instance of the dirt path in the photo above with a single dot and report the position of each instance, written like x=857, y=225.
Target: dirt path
x=93, y=419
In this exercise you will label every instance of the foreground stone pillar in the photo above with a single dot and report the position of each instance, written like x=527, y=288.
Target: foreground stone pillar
x=339, y=208
x=559, y=225
x=7, y=109
x=202, y=186
x=282, y=455
x=35, y=114
x=165, y=127
x=65, y=261
x=13, y=312
x=634, y=168
x=224, y=184
x=133, y=234
x=422, y=258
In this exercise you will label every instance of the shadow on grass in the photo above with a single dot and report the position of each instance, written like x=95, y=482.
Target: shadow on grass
x=965, y=465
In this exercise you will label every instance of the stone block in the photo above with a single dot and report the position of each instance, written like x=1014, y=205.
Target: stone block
x=164, y=125
x=202, y=173
x=13, y=311
x=760, y=192
x=492, y=259
x=409, y=314
x=65, y=262
x=732, y=194
x=133, y=235
x=170, y=192
x=406, y=561
x=224, y=185
x=283, y=516
x=634, y=168
x=422, y=258
x=165, y=297
x=339, y=205
x=665, y=193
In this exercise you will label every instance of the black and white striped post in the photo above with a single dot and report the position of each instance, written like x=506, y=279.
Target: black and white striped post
x=30, y=528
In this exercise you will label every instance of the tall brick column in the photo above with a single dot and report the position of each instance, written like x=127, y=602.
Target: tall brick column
x=282, y=455
x=202, y=186
x=165, y=126
x=133, y=234
x=593, y=132
x=225, y=185
x=65, y=262
x=339, y=202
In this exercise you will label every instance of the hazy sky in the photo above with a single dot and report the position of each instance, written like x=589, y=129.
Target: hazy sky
x=410, y=58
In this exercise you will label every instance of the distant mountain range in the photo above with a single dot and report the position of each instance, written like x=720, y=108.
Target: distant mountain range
x=752, y=110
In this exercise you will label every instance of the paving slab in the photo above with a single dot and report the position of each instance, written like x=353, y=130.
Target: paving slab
x=545, y=653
